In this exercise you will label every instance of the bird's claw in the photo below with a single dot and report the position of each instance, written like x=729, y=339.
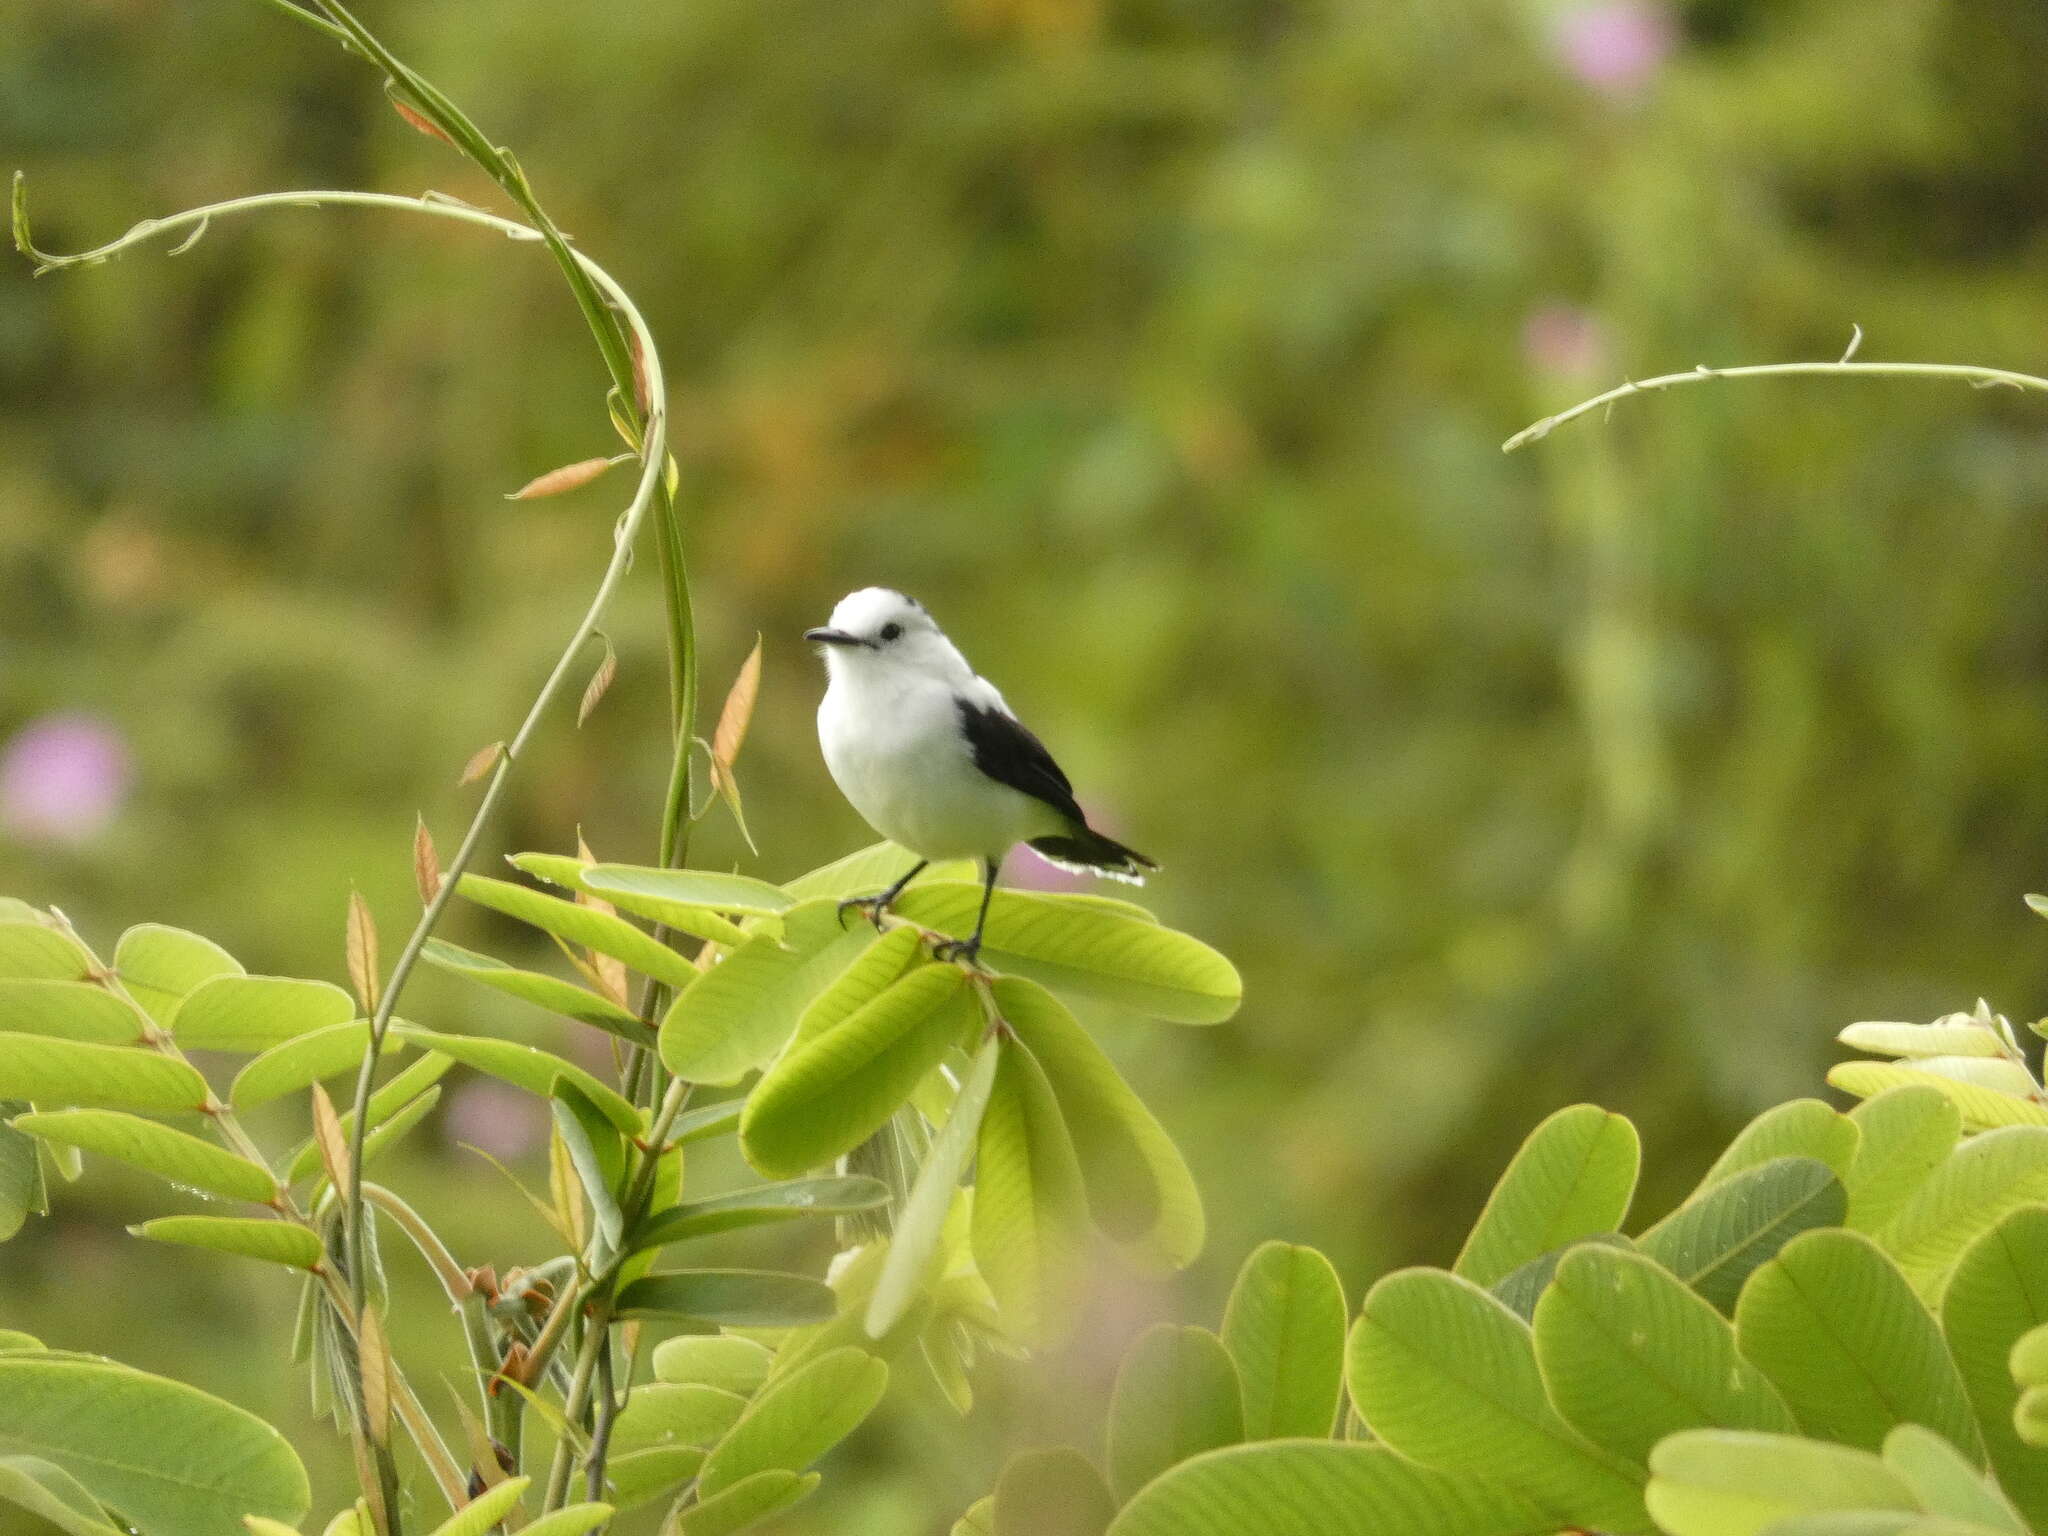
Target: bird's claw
x=869, y=907
x=968, y=950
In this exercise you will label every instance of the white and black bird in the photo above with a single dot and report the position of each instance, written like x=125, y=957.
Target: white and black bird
x=931, y=756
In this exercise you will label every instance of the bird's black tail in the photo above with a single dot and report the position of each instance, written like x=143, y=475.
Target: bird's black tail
x=1086, y=849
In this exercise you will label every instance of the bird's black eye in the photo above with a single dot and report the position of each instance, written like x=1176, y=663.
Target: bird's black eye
x=891, y=631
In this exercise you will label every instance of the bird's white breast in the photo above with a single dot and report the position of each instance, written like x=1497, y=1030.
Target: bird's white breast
x=892, y=739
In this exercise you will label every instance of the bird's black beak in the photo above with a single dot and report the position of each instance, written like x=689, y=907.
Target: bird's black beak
x=832, y=637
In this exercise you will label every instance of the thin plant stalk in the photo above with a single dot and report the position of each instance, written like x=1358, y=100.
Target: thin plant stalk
x=1976, y=377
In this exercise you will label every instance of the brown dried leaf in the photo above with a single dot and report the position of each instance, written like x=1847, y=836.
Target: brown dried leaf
x=420, y=121
x=608, y=972
x=426, y=863
x=566, y=1189
x=330, y=1138
x=376, y=1354
x=481, y=762
x=483, y=1460
x=362, y=951
x=642, y=397
x=556, y=481
x=600, y=681
x=735, y=717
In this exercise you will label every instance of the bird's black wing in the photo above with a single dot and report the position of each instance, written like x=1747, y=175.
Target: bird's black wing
x=1008, y=753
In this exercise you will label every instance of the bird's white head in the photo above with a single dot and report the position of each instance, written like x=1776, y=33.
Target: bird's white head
x=877, y=632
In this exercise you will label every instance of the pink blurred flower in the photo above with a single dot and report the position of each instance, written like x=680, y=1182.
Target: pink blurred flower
x=63, y=778
x=1617, y=47
x=1564, y=341
x=495, y=1118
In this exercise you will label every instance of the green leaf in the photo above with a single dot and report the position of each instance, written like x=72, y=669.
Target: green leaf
x=1630, y=1355
x=253, y=1013
x=170, y=1457
x=1840, y=1333
x=1524, y=1287
x=638, y=1477
x=872, y=972
x=596, y=1152
x=1982, y=1108
x=12, y=1339
x=763, y=1205
x=698, y=922
x=713, y=1360
x=1139, y=1189
x=1054, y=1492
x=576, y=923
x=484, y=1511
x=1097, y=952
x=299, y=1063
x=402, y=1096
x=660, y=1413
x=735, y=1298
x=1945, y=1481
x=921, y=1224
x=1319, y=1488
x=525, y=1067
x=48, y=1071
x=183, y=1159
x=1906, y=1134
x=549, y=992
x=1876, y=1522
x=68, y=1010
x=1176, y=1396
x=21, y=1175
x=160, y=965
x=797, y=1418
x=1999, y=1291
x=1284, y=1328
x=1715, y=1242
x=722, y=1119
x=2028, y=1359
x=51, y=1494
x=739, y=1013
x=750, y=1499
x=38, y=952
x=1026, y=1219
x=628, y=885
x=1986, y=1177
x=1573, y=1177
x=1800, y=1128
x=1447, y=1376
x=1724, y=1482
x=979, y=1520
x=870, y=872
x=831, y=1094
x=253, y=1237
x=570, y=1520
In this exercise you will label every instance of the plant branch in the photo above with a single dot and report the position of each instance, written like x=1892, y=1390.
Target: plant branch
x=1977, y=378
x=654, y=456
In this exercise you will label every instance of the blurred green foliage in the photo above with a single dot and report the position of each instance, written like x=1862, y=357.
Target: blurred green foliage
x=1164, y=348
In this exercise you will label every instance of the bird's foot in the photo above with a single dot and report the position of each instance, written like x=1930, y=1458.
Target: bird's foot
x=869, y=907
x=968, y=950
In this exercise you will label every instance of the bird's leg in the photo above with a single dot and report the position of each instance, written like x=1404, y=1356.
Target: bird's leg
x=872, y=907
x=969, y=948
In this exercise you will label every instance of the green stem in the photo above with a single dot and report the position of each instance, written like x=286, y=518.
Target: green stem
x=601, y=1426
x=596, y=1342
x=195, y=222
x=453, y=1277
x=1979, y=378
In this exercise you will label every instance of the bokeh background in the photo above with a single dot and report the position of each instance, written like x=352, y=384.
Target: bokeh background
x=1165, y=349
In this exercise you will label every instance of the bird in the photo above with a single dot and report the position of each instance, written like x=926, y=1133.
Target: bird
x=931, y=756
